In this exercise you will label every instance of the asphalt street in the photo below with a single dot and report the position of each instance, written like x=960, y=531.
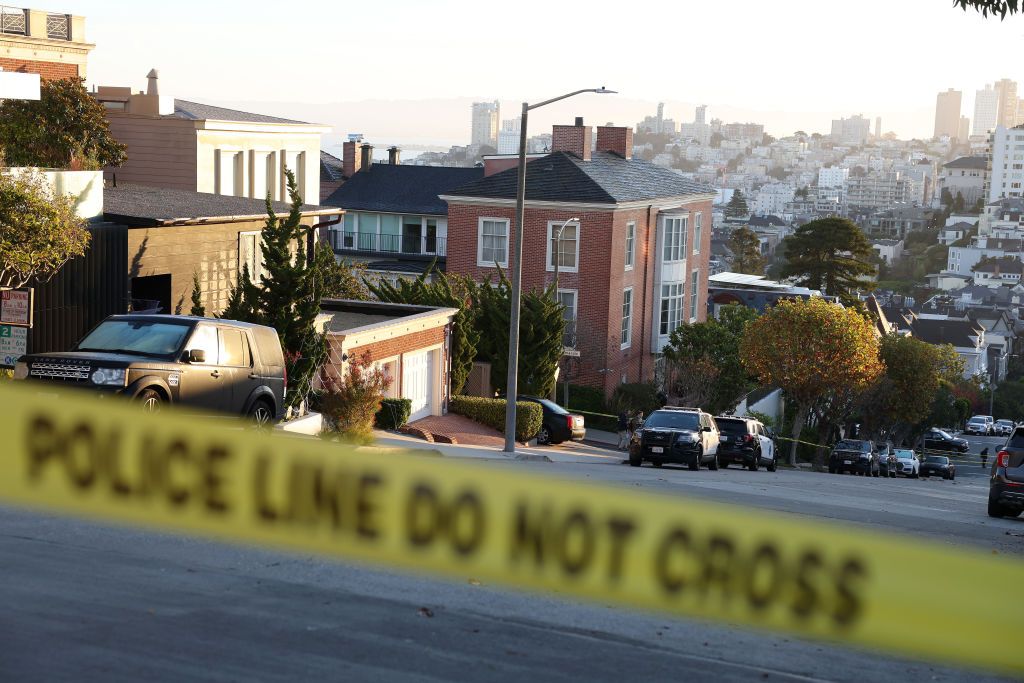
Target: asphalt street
x=90, y=602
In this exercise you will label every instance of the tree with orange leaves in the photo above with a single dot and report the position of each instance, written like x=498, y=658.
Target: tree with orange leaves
x=811, y=349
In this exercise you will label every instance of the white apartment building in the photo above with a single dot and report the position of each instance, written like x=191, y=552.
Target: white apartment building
x=485, y=123
x=852, y=131
x=1007, y=175
x=508, y=137
x=986, y=110
x=772, y=198
x=833, y=176
x=876, y=190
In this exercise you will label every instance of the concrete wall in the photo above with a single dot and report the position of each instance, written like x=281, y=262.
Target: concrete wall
x=161, y=151
x=208, y=142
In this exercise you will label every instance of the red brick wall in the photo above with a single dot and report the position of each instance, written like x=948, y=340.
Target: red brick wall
x=573, y=139
x=388, y=348
x=47, y=70
x=599, y=283
x=618, y=139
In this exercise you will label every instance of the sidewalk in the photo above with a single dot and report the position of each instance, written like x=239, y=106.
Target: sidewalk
x=568, y=452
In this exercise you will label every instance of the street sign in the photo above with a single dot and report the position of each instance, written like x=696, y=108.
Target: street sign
x=16, y=307
x=13, y=344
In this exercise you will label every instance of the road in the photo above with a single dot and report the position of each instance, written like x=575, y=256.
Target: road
x=83, y=601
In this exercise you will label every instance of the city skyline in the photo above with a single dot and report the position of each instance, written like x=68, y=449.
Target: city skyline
x=359, y=93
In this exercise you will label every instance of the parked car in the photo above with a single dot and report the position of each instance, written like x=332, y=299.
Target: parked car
x=1006, y=487
x=219, y=365
x=888, y=464
x=687, y=436
x=1005, y=427
x=938, y=466
x=908, y=464
x=558, y=424
x=943, y=442
x=854, y=455
x=745, y=441
x=981, y=425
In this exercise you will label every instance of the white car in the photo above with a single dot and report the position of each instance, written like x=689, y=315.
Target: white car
x=1004, y=427
x=980, y=424
x=909, y=466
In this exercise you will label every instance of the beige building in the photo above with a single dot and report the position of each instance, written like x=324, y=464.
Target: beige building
x=202, y=148
x=50, y=44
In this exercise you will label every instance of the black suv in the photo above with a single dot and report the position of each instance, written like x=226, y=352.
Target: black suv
x=745, y=441
x=943, y=442
x=677, y=435
x=1006, y=487
x=221, y=365
x=854, y=455
x=558, y=424
x=938, y=466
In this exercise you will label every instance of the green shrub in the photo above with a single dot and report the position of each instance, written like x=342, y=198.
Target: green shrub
x=641, y=396
x=393, y=413
x=607, y=423
x=584, y=398
x=491, y=412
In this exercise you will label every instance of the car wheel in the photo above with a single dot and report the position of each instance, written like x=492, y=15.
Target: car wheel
x=995, y=509
x=657, y=463
x=544, y=436
x=262, y=415
x=772, y=466
x=695, y=465
x=150, y=400
x=714, y=463
x=724, y=464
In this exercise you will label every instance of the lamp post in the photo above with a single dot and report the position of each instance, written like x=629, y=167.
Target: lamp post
x=511, y=383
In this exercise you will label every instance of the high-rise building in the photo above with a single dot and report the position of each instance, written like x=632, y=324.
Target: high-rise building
x=1006, y=178
x=964, y=130
x=508, y=137
x=986, y=110
x=1007, y=113
x=947, y=113
x=485, y=123
x=700, y=114
x=851, y=131
x=1020, y=111
x=878, y=127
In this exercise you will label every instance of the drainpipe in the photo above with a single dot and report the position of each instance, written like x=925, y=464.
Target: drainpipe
x=310, y=242
x=650, y=231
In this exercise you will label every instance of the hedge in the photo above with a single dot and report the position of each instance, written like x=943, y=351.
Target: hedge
x=393, y=413
x=491, y=412
x=607, y=423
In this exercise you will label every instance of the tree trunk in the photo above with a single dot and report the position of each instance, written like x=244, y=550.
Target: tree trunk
x=798, y=425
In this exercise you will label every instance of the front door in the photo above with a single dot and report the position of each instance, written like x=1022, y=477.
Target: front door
x=416, y=382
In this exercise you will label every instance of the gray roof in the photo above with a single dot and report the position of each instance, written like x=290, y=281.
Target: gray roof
x=141, y=205
x=1003, y=265
x=607, y=179
x=330, y=168
x=946, y=331
x=977, y=163
x=195, y=111
x=394, y=188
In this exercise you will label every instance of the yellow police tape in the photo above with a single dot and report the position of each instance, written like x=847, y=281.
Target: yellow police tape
x=99, y=458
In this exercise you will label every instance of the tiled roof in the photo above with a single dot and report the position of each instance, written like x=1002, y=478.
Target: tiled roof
x=330, y=168
x=946, y=331
x=401, y=189
x=606, y=179
x=195, y=111
x=977, y=163
x=141, y=205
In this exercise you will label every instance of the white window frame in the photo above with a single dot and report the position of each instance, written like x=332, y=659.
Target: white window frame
x=575, y=309
x=697, y=228
x=673, y=292
x=630, y=244
x=694, y=286
x=626, y=333
x=257, y=262
x=480, y=262
x=674, y=240
x=552, y=227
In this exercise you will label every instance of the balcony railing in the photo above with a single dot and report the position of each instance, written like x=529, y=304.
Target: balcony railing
x=58, y=27
x=13, y=20
x=408, y=245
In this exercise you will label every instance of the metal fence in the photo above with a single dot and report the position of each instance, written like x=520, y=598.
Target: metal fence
x=351, y=241
x=58, y=27
x=13, y=20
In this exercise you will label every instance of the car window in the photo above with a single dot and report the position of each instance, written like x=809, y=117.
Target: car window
x=904, y=454
x=135, y=336
x=732, y=426
x=939, y=434
x=672, y=419
x=552, y=406
x=1016, y=439
x=936, y=459
x=205, y=338
x=231, y=347
x=851, y=445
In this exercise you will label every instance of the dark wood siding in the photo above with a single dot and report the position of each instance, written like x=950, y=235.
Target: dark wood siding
x=84, y=292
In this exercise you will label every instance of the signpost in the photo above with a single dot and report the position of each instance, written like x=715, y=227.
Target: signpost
x=13, y=344
x=15, y=321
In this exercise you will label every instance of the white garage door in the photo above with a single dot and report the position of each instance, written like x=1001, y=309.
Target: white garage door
x=417, y=375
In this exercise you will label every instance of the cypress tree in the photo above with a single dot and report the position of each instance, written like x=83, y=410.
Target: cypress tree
x=197, y=297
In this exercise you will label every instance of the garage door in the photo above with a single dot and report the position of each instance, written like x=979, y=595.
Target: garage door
x=417, y=374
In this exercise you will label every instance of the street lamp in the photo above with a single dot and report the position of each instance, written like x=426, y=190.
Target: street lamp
x=556, y=249
x=511, y=383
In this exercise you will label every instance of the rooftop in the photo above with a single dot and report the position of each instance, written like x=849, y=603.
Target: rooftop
x=975, y=163
x=196, y=111
x=394, y=188
x=141, y=205
x=946, y=331
x=606, y=179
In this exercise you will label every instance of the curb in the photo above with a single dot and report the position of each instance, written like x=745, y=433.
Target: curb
x=532, y=457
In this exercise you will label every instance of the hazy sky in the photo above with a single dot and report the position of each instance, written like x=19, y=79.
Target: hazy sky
x=362, y=66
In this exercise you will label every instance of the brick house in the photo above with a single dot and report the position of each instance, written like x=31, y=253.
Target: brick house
x=49, y=44
x=632, y=267
x=410, y=343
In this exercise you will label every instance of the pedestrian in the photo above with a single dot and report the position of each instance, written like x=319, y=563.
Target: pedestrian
x=634, y=423
x=623, y=430
x=984, y=456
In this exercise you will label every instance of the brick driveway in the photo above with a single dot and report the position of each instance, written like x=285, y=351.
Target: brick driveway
x=462, y=429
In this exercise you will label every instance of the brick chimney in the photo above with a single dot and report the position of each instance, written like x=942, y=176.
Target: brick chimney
x=575, y=139
x=394, y=156
x=618, y=139
x=351, y=158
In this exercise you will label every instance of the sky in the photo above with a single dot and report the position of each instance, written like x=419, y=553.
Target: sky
x=402, y=71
